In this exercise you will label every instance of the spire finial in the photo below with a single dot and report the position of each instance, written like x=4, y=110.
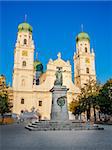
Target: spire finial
x=9, y=84
x=36, y=55
x=92, y=50
x=82, y=27
x=25, y=17
x=59, y=55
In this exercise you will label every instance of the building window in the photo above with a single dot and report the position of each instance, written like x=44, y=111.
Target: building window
x=24, y=63
x=22, y=101
x=25, y=41
x=40, y=103
x=87, y=70
x=23, y=82
x=86, y=49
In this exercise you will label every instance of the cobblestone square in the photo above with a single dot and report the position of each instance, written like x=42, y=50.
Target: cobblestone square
x=16, y=137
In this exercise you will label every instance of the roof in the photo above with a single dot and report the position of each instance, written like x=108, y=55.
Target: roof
x=82, y=36
x=25, y=27
x=38, y=66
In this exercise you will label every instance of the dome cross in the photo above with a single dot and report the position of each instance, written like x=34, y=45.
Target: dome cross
x=82, y=27
x=36, y=55
x=25, y=17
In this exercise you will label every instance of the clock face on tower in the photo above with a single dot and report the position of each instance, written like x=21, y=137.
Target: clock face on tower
x=24, y=53
x=87, y=60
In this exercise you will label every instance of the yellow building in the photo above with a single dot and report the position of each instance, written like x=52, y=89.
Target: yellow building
x=31, y=87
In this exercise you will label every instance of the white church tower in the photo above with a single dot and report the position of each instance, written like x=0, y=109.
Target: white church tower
x=23, y=67
x=84, y=60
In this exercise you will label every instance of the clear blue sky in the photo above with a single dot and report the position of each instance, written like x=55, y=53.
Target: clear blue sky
x=55, y=26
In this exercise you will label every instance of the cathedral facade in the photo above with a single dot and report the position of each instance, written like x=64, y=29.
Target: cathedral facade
x=31, y=86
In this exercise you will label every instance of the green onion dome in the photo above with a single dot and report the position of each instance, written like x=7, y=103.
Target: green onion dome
x=38, y=66
x=25, y=27
x=82, y=36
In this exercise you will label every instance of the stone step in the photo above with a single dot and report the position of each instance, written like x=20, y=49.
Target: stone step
x=52, y=129
x=55, y=125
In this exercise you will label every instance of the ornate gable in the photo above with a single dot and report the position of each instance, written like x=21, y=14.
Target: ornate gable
x=59, y=62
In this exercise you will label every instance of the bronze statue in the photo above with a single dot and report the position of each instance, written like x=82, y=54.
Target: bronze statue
x=59, y=78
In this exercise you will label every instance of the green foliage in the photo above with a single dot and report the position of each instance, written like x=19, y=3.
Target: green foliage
x=105, y=98
x=95, y=96
x=87, y=99
x=5, y=105
x=88, y=96
x=74, y=107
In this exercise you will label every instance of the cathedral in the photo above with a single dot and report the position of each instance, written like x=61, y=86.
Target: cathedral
x=32, y=87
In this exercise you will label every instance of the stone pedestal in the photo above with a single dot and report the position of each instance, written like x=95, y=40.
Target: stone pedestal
x=59, y=111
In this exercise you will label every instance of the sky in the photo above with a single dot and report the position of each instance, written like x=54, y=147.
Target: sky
x=55, y=27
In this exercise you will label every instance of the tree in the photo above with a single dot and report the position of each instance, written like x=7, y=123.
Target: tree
x=105, y=98
x=5, y=105
x=74, y=107
x=87, y=99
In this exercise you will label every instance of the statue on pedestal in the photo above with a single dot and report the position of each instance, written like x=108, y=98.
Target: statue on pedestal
x=59, y=78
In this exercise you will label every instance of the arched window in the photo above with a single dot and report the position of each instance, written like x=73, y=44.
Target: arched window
x=22, y=101
x=86, y=49
x=25, y=41
x=40, y=103
x=24, y=63
x=87, y=70
x=23, y=82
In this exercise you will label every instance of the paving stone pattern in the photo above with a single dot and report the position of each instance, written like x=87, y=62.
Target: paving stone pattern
x=16, y=137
